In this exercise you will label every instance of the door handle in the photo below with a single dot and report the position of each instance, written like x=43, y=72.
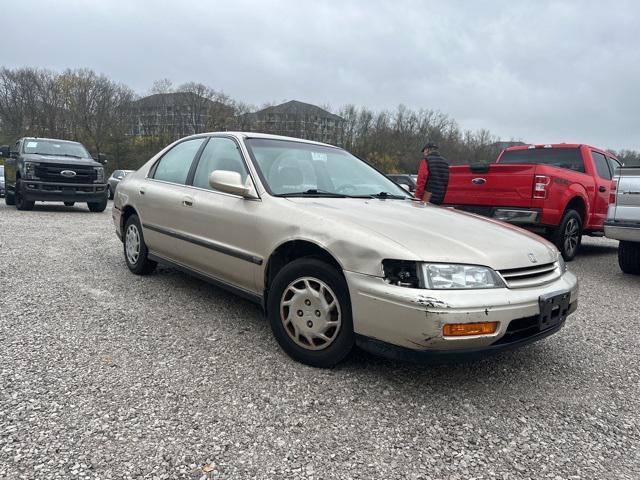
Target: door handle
x=187, y=202
x=602, y=188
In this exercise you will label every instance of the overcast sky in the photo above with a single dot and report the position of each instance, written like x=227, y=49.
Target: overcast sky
x=540, y=71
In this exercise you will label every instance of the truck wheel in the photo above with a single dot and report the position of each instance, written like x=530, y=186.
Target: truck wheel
x=568, y=236
x=97, y=206
x=21, y=203
x=309, y=310
x=9, y=198
x=629, y=257
x=135, y=250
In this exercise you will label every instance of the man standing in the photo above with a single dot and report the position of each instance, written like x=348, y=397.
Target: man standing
x=433, y=175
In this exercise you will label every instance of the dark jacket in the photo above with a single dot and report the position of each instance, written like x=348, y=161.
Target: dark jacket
x=433, y=177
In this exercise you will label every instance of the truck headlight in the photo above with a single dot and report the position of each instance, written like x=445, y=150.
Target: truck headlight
x=99, y=174
x=440, y=276
x=30, y=170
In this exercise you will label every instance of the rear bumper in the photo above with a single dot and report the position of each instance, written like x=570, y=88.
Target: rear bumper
x=515, y=215
x=625, y=231
x=63, y=192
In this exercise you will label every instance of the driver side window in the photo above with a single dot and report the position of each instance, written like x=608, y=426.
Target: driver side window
x=219, y=154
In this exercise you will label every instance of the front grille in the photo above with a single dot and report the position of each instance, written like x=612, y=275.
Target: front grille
x=531, y=276
x=51, y=173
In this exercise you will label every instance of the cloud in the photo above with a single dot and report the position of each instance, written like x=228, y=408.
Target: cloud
x=543, y=71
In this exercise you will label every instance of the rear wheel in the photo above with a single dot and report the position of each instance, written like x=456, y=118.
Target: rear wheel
x=309, y=310
x=568, y=236
x=629, y=257
x=21, y=203
x=97, y=206
x=135, y=250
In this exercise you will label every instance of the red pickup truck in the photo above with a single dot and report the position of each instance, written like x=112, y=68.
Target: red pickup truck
x=561, y=191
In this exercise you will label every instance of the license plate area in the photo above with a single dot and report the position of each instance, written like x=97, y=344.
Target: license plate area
x=554, y=308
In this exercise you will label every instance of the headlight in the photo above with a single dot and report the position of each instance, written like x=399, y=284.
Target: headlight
x=30, y=170
x=99, y=174
x=441, y=276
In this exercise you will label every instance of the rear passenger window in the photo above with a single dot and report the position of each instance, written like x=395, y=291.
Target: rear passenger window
x=174, y=165
x=602, y=166
x=219, y=154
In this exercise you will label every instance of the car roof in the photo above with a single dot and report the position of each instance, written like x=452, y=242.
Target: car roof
x=52, y=140
x=267, y=136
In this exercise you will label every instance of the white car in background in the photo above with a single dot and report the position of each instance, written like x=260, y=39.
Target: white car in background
x=115, y=178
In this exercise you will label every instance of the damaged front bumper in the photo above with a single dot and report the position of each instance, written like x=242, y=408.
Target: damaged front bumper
x=400, y=322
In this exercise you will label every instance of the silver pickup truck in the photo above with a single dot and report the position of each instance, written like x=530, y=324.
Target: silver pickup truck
x=623, y=219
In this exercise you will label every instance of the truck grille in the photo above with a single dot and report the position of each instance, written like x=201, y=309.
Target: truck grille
x=51, y=173
x=531, y=276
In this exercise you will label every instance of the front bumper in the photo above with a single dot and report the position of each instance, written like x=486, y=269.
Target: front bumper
x=413, y=319
x=63, y=192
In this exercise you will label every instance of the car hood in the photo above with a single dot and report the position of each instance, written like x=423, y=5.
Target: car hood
x=60, y=159
x=438, y=234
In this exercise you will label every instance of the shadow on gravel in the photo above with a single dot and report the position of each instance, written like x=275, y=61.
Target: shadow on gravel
x=56, y=207
x=587, y=250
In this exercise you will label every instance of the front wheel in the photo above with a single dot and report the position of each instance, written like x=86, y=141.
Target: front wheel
x=98, y=206
x=629, y=257
x=9, y=198
x=109, y=192
x=568, y=236
x=309, y=310
x=21, y=203
x=136, y=253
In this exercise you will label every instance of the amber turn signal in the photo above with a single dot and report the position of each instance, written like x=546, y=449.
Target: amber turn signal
x=464, y=329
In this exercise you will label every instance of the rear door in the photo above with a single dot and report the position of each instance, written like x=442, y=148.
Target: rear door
x=162, y=196
x=602, y=177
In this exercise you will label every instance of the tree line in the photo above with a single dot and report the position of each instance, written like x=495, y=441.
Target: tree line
x=84, y=106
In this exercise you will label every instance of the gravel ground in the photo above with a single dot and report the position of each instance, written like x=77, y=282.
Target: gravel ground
x=107, y=375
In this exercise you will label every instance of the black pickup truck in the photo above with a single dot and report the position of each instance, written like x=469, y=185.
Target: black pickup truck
x=50, y=170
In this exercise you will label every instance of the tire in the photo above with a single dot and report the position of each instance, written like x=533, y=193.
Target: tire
x=20, y=203
x=98, y=206
x=140, y=263
x=297, y=337
x=629, y=257
x=69, y=204
x=568, y=236
x=109, y=192
x=9, y=198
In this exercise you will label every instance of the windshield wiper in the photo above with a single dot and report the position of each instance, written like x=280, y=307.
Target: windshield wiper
x=384, y=195
x=314, y=192
x=56, y=154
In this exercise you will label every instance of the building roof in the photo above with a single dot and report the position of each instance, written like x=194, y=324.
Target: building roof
x=295, y=107
x=170, y=99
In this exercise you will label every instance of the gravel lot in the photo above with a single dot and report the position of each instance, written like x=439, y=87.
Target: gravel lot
x=107, y=375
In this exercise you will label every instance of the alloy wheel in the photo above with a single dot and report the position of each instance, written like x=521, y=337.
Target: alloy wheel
x=571, y=236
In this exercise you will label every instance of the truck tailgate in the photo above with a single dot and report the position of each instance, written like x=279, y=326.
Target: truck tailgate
x=494, y=185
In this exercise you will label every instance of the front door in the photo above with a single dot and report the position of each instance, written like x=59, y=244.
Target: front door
x=603, y=188
x=221, y=227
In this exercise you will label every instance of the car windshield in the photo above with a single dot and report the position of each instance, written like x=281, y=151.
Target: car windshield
x=52, y=147
x=568, y=158
x=291, y=168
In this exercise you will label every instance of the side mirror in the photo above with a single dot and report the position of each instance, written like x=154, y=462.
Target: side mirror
x=229, y=182
x=4, y=151
x=102, y=158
